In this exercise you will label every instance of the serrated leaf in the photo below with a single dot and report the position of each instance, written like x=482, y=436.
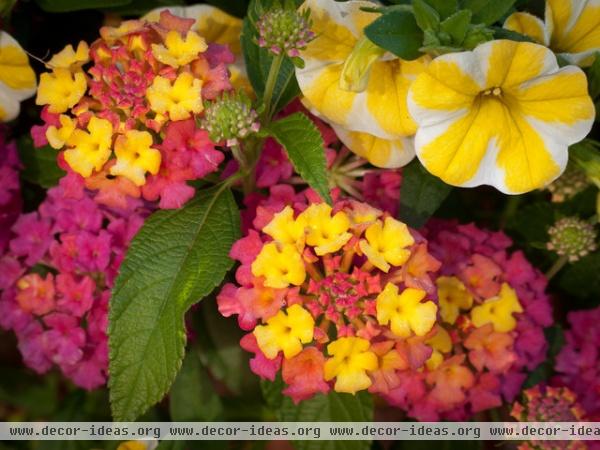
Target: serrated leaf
x=176, y=259
x=333, y=407
x=193, y=397
x=258, y=60
x=40, y=166
x=421, y=195
x=304, y=146
x=457, y=25
x=76, y=5
x=426, y=16
x=397, y=32
x=487, y=11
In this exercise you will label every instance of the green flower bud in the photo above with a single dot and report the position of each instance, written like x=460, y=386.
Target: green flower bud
x=572, y=237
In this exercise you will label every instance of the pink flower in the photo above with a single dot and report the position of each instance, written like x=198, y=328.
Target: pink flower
x=273, y=165
x=77, y=296
x=33, y=237
x=260, y=364
x=304, y=375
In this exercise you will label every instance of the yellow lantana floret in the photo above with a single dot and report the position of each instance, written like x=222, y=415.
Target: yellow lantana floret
x=405, y=312
x=61, y=89
x=453, y=296
x=285, y=332
x=178, y=51
x=386, y=243
x=180, y=99
x=326, y=233
x=71, y=59
x=350, y=360
x=498, y=311
x=285, y=229
x=135, y=156
x=90, y=150
x=440, y=343
x=280, y=264
x=58, y=137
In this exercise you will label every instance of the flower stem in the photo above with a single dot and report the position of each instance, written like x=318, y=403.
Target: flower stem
x=270, y=87
x=558, y=264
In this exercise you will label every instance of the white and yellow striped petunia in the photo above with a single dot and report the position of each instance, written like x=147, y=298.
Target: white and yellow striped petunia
x=17, y=79
x=373, y=119
x=215, y=26
x=571, y=28
x=503, y=115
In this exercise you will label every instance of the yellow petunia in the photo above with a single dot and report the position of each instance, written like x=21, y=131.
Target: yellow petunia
x=498, y=310
x=90, y=150
x=215, y=26
x=386, y=244
x=58, y=137
x=325, y=232
x=503, y=115
x=356, y=86
x=350, y=361
x=17, y=79
x=571, y=28
x=135, y=156
x=453, y=296
x=177, y=50
x=69, y=58
x=280, y=264
x=61, y=89
x=405, y=312
x=180, y=99
x=286, y=332
x=285, y=229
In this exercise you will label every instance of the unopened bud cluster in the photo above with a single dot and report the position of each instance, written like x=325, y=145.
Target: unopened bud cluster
x=571, y=183
x=285, y=31
x=230, y=117
x=572, y=237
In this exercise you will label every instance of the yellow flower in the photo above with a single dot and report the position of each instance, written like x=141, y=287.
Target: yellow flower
x=327, y=234
x=285, y=332
x=57, y=137
x=350, y=360
x=89, y=150
x=441, y=343
x=281, y=265
x=503, y=114
x=71, y=59
x=285, y=229
x=135, y=156
x=17, y=79
x=215, y=26
x=179, y=100
x=357, y=87
x=405, y=312
x=571, y=28
x=178, y=51
x=498, y=311
x=386, y=244
x=61, y=89
x=137, y=445
x=452, y=296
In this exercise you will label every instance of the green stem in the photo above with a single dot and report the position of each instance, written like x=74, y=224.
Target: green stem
x=558, y=264
x=512, y=204
x=270, y=87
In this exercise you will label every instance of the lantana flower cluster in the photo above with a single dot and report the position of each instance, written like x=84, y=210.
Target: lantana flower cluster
x=56, y=280
x=334, y=298
x=10, y=188
x=127, y=125
x=493, y=309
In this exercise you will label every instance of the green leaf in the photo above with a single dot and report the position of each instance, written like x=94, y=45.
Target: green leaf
x=488, y=11
x=457, y=25
x=427, y=17
x=503, y=33
x=532, y=221
x=176, y=259
x=333, y=407
x=445, y=8
x=421, y=195
x=76, y=5
x=594, y=77
x=581, y=278
x=397, y=32
x=193, y=397
x=304, y=146
x=258, y=60
x=40, y=166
